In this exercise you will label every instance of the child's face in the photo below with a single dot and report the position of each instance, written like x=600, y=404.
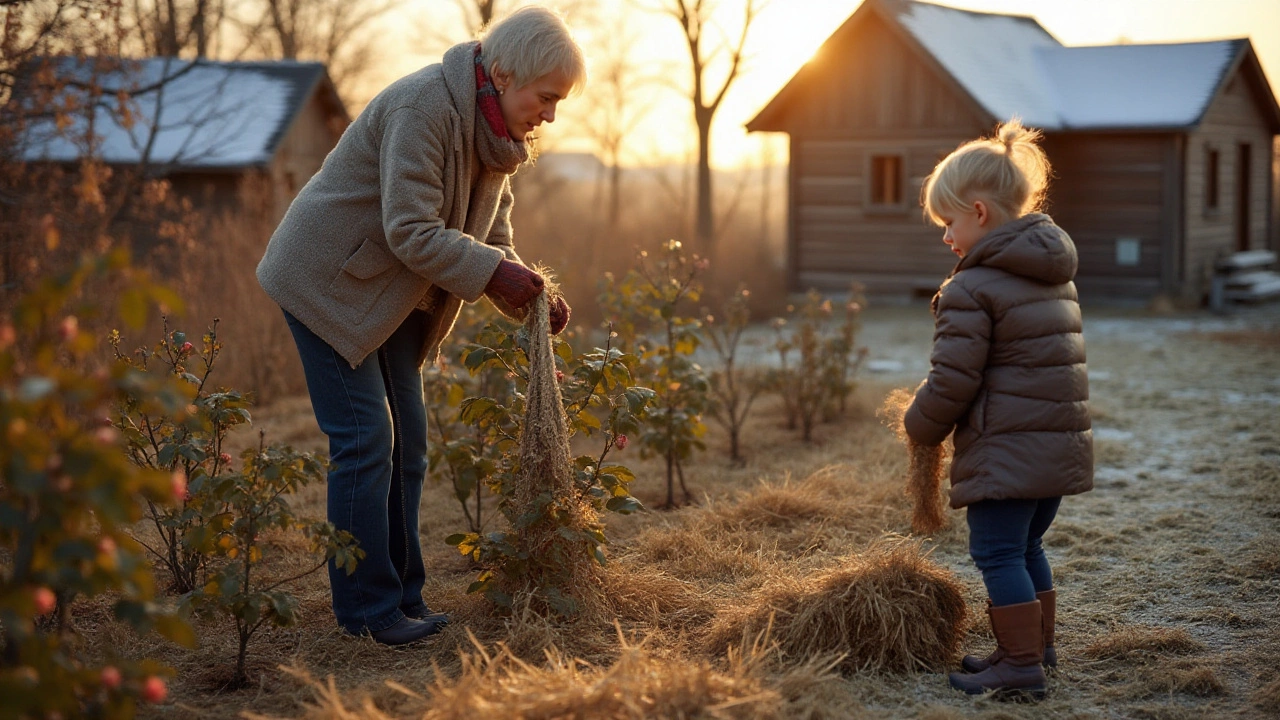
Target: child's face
x=965, y=229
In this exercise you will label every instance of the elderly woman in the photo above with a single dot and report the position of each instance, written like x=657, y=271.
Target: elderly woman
x=408, y=218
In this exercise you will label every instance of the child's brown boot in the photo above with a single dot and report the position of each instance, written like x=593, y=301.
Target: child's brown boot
x=1020, y=644
x=1048, y=611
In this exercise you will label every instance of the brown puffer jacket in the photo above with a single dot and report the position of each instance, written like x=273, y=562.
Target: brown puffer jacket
x=1009, y=371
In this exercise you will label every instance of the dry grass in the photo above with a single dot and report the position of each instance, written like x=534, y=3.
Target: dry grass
x=1260, y=338
x=1267, y=697
x=1199, y=681
x=797, y=514
x=887, y=609
x=1137, y=641
x=641, y=683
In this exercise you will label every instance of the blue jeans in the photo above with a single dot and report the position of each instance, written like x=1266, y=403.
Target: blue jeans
x=376, y=420
x=1004, y=542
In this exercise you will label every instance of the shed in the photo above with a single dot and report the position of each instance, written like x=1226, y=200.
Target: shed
x=206, y=126
x=1163, y=154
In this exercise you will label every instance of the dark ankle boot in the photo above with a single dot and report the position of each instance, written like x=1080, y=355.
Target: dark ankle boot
x=1048, y=610
x=1020, y=642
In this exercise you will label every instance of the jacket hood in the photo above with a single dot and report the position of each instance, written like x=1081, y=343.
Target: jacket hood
x=1031, y=246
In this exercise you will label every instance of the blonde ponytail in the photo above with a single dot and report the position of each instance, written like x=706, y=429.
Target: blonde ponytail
x=1009, y=171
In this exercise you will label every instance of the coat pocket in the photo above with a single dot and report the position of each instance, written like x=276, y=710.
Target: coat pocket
x=369, y=260
x=364, y=277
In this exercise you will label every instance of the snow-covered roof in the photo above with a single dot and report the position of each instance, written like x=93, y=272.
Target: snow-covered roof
x=993, y=57
x=1013, y=66
x=1135, y=85
x=192, y=114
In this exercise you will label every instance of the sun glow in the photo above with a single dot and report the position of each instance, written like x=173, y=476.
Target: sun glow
x=787, y=33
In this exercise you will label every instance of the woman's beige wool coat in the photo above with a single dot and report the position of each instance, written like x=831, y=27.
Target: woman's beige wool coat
x=1009, y=372
x=391, y=222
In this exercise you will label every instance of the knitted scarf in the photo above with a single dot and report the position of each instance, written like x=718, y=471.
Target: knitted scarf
x=497, y=149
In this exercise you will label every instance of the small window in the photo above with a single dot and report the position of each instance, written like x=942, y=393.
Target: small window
x=1128, y=251
x=886, y=180
x=1211, y=180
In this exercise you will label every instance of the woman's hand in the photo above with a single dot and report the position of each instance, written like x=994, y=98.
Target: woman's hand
x=514, y=284
x=559, y=315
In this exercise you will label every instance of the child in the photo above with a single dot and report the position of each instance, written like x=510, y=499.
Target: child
x=1008, y=376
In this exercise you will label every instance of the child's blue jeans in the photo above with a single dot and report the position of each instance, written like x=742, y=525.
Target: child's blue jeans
x=376, y=420
x=1004, y=542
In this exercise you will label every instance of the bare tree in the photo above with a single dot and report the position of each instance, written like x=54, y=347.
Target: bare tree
x=477, y=14
x=694, y=17
x=613, y=114
x=441, y=33
x=173, y=28
x=334, y=32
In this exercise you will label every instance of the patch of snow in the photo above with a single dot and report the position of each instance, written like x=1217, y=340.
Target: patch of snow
x=885, y=366
x=1106, y=433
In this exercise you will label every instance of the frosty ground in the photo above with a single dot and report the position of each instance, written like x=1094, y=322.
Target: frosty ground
x=1168, y=572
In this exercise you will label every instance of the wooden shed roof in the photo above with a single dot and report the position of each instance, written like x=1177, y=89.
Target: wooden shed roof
x=1010, y=65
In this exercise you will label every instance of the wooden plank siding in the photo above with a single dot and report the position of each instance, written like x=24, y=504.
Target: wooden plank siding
x=878, y=97
x=1235, y=117
x=873, y=91
x=1108, y=186
x=313, y=133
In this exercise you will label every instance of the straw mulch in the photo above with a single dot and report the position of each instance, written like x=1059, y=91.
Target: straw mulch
x=926, y=469
x=890, y=608
x=496, y=684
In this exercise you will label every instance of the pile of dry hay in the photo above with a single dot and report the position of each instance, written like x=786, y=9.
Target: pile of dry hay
x=927, y=468
x=890, y=608
x=639, y=684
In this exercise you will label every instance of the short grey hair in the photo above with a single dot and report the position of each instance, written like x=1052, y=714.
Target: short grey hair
x=531, y=42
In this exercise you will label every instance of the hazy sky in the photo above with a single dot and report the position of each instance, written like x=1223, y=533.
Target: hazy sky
x=789, y=31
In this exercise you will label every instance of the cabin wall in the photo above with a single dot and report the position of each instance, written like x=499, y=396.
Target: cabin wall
x=314, y=132
x=1110, y=191
x=1233, y=120
x=878, y=96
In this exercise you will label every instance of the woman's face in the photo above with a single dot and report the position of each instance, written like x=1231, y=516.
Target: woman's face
x=525, y=108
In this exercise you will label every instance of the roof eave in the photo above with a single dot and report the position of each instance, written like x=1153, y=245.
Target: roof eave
x=767, y=119
x=1245, y=55
x=764, y=120
x=1117, y=129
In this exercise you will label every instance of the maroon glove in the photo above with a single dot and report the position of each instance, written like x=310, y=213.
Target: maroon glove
x=514, y=284
x=559, y=315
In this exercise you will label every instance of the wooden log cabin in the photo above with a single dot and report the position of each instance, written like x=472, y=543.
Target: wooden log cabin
x=1163, y=154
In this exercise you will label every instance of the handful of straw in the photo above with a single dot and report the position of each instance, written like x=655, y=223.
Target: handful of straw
x=926, y=469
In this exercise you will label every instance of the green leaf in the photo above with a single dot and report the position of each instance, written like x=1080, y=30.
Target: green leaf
x=456, y=539
x=621, y=472
x=623, y=505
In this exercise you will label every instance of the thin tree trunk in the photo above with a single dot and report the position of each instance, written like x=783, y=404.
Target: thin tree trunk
x=705, y=224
